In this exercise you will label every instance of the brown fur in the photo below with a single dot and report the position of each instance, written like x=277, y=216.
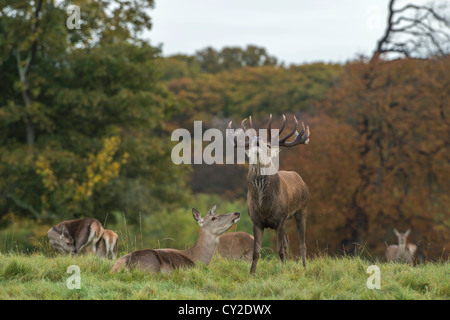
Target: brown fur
x=275, y=197
x=236, y=245
x=271, y=200
x=403, y=252
x=166, y=260
x=159, y=260
x=107, y=246
x=83, y=232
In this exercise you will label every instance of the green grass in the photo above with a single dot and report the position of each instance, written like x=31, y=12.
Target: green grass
x=39, y=276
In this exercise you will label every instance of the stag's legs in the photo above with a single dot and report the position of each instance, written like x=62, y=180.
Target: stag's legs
x=300, y=220
x=258, y=235
x=282, y=242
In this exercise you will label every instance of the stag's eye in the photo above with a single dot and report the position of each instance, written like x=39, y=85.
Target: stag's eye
x=213, y=218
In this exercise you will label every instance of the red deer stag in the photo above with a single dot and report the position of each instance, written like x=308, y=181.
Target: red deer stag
x=273, y=198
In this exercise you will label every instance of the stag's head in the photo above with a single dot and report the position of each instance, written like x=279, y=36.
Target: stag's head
x=264, y=146
x=214, y=223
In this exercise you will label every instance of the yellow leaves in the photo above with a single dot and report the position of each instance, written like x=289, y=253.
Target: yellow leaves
x=125, y=157
x=101, y=168
x=44, y=170
x=10, y=217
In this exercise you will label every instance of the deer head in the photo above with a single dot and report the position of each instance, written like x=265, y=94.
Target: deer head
x=402, y=236
x=61, y=239
x=215, y=224
x=263, y=149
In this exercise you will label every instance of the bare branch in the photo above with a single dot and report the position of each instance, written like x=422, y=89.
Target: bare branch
x=431, y=30
x=428, y=9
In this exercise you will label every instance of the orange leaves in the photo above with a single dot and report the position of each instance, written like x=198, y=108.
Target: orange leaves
x=397, y=109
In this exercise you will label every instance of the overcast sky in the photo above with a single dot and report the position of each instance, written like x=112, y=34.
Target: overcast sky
x=295, y=31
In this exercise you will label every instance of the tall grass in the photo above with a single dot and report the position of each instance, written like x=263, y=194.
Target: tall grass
x=37, y=276
x=31, y=269
x=175, y=228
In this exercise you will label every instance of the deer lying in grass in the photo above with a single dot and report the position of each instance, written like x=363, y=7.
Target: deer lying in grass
x=236, y=245
x=402, y=252
x=72, y=236
x=166, y=260
x=107, y=246
x=274, y=198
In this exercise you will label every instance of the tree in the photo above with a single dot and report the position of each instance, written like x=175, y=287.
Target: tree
x=416, y=31
x=400, y=112
x=96, y=109
x=253, y=90
x=230, y=58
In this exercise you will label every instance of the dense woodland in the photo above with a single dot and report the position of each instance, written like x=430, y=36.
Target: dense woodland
x=86, y=118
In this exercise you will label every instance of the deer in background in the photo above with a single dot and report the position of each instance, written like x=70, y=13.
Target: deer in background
x=107, y=246
x=72, y=236
x=272, y=199
x=403, y=251
x=166, y=260
x=236, y=245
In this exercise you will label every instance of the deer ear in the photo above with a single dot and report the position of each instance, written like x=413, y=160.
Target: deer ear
x=68, y=236
x=274, y=152
x=63, y=228
x=196, y=214
x=212, y=211
x=396, y=232
x=407, y=232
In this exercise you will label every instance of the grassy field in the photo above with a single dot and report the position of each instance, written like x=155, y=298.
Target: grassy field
x=39, y=276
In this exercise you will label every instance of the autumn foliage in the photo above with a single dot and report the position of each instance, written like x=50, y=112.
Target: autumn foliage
x=86, y=118
x=378, y=157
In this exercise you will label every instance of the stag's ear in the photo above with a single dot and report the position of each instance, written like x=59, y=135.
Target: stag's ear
x=396, y=232
x=196, y=214
x=274, y=152
x=212, y=211
x=407, y=232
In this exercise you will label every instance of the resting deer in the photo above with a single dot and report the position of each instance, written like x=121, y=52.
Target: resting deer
x=403, y=251
x=273, y=198
x=236, y=245
x=72, y=236
x=166, y=260
x=107, y=246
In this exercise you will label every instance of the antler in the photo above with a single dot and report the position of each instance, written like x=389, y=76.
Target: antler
x=300, y=138
x=234, y=141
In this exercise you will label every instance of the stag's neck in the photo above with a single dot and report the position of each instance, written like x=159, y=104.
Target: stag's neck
x=204, y=248
x=262, y=187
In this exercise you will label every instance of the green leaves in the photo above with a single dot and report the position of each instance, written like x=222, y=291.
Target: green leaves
x=85, y=92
